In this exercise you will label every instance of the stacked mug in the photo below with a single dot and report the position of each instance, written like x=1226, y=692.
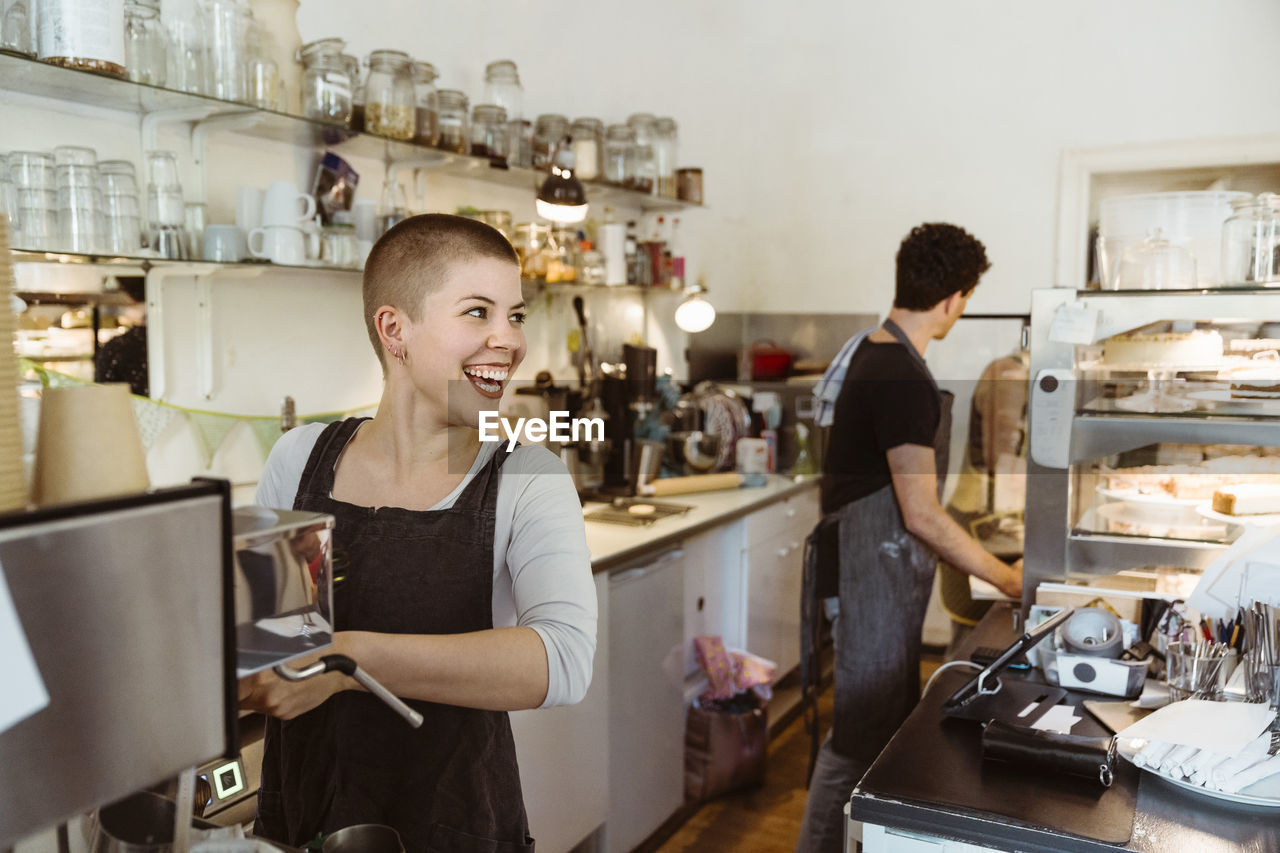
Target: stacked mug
x=165, y=209
x=33, y=201
x=120, y=207
x=283, y=237
x=81, y=226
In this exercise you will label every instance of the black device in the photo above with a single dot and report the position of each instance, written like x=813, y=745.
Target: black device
x=987, y=655
x=985, y=697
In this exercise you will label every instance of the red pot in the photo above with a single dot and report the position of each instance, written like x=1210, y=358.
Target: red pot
x=769, y=361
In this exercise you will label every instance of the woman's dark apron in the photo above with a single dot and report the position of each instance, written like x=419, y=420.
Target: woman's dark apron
x=884, y=582
x=451, y=785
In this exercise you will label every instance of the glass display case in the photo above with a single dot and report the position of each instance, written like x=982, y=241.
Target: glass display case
x=1155, y=432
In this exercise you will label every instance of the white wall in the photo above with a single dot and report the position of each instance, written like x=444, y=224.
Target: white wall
x=828, y=128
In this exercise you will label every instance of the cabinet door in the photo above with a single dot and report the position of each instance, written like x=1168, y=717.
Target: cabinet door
x=706, y=558
x=566, y=786
x=773, y=572
x=646, y=699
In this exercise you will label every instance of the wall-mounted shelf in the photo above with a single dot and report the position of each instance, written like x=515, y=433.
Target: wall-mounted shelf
x=127, y=265
x=30, y=76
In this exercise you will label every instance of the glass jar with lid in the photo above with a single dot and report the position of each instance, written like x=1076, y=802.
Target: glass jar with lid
x=389, y=95
x=548, y=130
x=562, y=258
x=643, y=173
x=502, y=88
x=520, y=143
x=145, y=42
x=352, y=65
x=326, y=82
x=452, y=121
x=532, y=244
x=489, y=132
x=619, y=142
x=1251, y=241
x=588, y=145
x=84, y=34
x=425, y=110
x=665, y=145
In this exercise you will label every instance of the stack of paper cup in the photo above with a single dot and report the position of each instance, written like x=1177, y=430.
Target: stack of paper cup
x=13, y=482
x=88, y=445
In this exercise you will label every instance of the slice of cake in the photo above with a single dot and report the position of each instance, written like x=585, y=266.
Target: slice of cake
x=1197, y=348
x=1248, y=499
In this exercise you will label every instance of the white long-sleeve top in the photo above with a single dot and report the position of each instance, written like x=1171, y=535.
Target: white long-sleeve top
x=541, y=565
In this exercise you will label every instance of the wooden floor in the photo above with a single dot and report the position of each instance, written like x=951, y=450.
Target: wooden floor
x=765, y=819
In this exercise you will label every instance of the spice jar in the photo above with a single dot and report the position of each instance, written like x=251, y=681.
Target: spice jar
x=425, y=121
x=548, y=130
x=84, y=34
x=1251, y=241
x=489, y=132
x=665, y=144
x=689, y=185
x=562, y=258
x=619, y=140
x=326, y=82
x=352, y=65
x=452, y=121
x=144, y=42
x=588, y=143
x=389, y=96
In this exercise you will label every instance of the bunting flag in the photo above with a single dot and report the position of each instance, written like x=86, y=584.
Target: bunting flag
x=210, y=428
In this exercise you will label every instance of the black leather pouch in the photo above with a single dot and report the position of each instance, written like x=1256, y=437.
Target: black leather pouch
x=1089, y=757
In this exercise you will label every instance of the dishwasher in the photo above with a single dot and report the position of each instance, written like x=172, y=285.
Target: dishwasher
x=646, y=698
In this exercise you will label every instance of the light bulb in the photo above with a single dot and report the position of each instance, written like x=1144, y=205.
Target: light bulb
x=695, y=314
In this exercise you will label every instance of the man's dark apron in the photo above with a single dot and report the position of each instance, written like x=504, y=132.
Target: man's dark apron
x=451, y=785
x=885, y=579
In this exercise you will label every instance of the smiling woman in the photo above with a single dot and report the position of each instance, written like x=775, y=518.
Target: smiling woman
x=466, y=583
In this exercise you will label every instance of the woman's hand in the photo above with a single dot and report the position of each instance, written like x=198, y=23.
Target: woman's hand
x=268, y=693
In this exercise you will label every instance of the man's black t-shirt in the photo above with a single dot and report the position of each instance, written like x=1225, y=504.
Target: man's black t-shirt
x=888, y=399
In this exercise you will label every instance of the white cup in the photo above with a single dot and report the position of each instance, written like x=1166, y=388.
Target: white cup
x=284, y=205
x=248, y=208
x=281, y=244
x=223, y=243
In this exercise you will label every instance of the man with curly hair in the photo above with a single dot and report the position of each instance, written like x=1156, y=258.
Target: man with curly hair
x=883, y=518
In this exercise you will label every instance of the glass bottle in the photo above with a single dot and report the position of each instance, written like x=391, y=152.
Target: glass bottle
x=352, y=65
x=665, y=145
x=619, y=140
x=144, y=42
x=588, y=145
x=84, y=34
x=389, y=96
x=426, y=129
x=326, y=82
x=489, y=132
x=452, y=115
x=1251, y=241
x=548, y=130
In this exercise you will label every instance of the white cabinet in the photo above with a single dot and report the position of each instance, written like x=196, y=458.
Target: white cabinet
x=772, y=563
x=710, y=561
x=564, y=756
x=646, y=698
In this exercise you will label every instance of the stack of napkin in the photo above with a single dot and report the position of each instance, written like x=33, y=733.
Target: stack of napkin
x=1223, y=746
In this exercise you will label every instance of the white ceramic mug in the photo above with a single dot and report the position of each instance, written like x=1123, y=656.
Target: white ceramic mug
x=284, y=205
x=248, y=208
x=281, y=244
x=223, y=243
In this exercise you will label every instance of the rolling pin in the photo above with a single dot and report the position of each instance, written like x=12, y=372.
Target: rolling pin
x=688, y=485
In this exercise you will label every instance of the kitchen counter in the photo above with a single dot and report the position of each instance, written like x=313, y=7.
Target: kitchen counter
x=899, y=793
x=613, y=545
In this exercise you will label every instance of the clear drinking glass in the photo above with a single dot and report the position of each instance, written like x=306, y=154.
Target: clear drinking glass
x=145, y=43
x=185, y=56
x=226, y=36
x=74, y=155
x=31, y=170
x=1251, y=241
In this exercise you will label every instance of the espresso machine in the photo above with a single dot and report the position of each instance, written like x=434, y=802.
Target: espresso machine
x=628, y=391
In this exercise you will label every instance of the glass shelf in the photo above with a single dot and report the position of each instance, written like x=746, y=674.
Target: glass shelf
x=123, y=265
x=30, y=76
